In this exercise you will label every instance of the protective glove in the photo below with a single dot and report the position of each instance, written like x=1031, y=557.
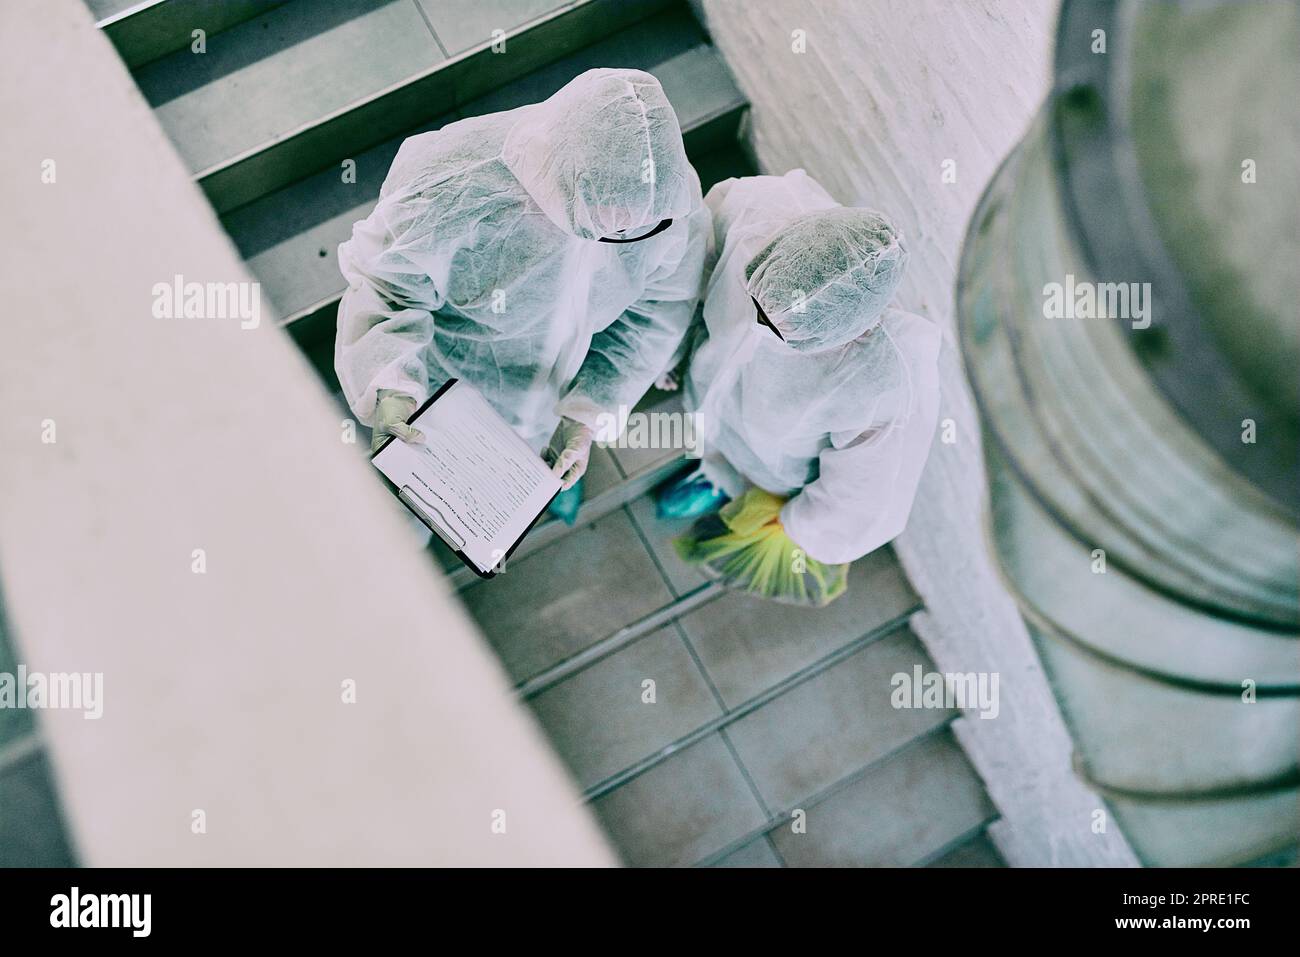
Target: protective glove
x=391, y=412
x=745, y=546
x=569, y=451
x=668, y=382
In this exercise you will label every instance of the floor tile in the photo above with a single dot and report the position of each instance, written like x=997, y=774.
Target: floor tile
x=31, y=826
x=664, y=430
x=599, y=720
x=977, y=852
x=461, y=24
x=681, y=811
x=900, y=812
x=659, y=534
x=757, y=853
x=825, y=729
x=749, y=644
x=555, y=602
x=269, y=75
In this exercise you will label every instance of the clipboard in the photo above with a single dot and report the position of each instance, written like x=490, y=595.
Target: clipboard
x=437, y=513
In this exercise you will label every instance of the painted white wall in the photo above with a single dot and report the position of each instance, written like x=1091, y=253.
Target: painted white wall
x=223, y=690
x=887, y=93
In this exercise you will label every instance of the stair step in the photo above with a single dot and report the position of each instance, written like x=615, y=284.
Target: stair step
x=887, y=629
x=290, y=237
x=976, y=850
x=306, y=85
x=898, y=813
x=146, y=31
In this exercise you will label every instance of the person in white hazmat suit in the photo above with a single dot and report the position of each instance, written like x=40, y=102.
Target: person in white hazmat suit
x=816, y=401
x=549, y=255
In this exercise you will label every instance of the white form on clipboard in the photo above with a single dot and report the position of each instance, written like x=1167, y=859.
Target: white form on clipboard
x=473, y=481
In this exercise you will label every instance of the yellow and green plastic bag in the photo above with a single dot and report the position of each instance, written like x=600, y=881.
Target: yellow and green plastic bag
x=745, y=547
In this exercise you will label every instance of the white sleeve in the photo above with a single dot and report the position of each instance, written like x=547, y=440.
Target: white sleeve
x=866, y=484
x=385, y=320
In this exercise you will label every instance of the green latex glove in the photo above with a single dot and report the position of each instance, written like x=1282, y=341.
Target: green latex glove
x=391, y=412
x=569, y=451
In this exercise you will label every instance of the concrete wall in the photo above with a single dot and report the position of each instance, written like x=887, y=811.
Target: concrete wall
x=887, y=96
x=223, y=688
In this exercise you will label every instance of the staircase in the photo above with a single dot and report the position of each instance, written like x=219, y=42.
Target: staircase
x=704, y=727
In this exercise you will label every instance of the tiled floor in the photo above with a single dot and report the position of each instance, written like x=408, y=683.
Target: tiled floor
x=701, y=740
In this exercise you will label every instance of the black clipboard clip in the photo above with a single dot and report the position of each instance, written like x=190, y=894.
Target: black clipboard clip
x=426, y=513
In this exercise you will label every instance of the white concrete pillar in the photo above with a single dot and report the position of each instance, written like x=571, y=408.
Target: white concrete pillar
x=199, y=533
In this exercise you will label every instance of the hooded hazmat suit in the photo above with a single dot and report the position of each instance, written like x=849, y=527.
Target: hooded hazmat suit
x=839, y=417
x=481, y=259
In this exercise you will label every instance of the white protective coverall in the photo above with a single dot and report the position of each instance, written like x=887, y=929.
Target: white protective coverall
x=840, y=416
x=481, y=259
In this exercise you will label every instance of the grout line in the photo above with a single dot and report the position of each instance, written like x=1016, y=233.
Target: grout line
x=419, y=8
x=965, y=837
x=781, y=818
x=776, y=852
x=744, y=772
x=617, y=641
x=722, y=704
x=708, y=678
x=645, y=543
x=19, y=749
x=753, y=704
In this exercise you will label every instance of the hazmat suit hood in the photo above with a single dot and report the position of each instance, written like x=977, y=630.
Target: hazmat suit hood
x=827, y=276
x=603, y=155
